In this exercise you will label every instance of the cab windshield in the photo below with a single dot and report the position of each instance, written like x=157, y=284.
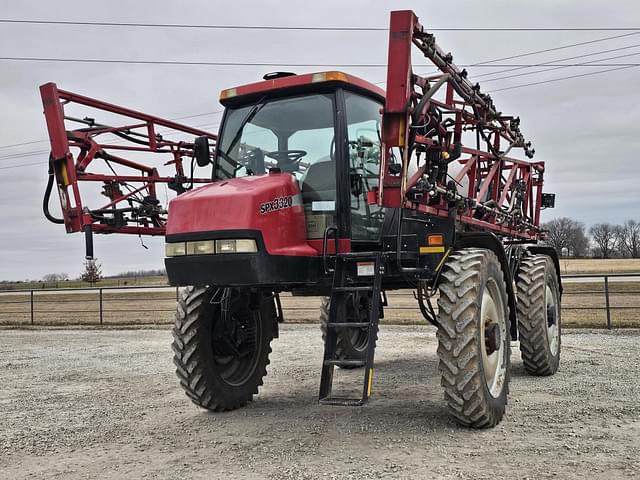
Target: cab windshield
x=291, y=134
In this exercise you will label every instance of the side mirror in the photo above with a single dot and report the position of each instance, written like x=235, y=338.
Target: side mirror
x=201, y=151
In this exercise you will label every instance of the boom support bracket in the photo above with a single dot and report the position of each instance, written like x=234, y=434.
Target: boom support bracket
x=93, y=152
x=425, y=163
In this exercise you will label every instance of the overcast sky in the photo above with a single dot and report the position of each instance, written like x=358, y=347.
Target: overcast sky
x=586, y=129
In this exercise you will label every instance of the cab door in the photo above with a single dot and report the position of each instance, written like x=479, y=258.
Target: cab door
x=363, y=121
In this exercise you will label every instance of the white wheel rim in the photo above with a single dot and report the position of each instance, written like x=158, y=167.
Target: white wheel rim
x=494, y=364
x=551, y=319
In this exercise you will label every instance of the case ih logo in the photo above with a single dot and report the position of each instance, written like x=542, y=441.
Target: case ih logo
x=279, y=203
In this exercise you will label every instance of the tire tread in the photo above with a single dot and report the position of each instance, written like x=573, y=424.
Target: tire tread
x=191, y=361
x=459, y=365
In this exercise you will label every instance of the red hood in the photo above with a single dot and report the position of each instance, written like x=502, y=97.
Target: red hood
x=271, y=204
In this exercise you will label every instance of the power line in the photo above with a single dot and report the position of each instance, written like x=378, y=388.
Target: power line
x=41, y=152
x=177, y=62
x=491, y=91
x=487, y=63
x=558, y=68
x=260, y=64
x=571, y=45
x=293, y=64
x=22, y=144
x=561, y=78
x=560, y=60
x=310, y=28
x=22, y=165
x=493, y=63
x=172, y=119
x=23, y=154
x=196, y=115
x=592, y=63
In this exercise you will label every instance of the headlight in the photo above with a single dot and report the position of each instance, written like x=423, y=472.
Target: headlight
x=175, y=249
x=244, y=245
x=210, y=247
x=204, y=247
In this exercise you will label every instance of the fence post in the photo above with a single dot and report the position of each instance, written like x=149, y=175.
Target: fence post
x=177, y=294
x=31, y=292
x=606, y=296
x=101, y=318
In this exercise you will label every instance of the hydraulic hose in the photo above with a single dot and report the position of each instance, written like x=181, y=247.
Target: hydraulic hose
x=47, y=196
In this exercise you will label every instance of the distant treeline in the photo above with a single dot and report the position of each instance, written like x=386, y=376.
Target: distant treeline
x=570, y=238
x=140, y=273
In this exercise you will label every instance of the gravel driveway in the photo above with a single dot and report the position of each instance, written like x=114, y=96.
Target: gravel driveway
x=106, y=404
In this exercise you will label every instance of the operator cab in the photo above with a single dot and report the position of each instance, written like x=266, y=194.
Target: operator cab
x=324, y=130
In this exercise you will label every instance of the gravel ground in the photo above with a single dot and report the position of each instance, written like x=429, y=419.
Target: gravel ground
x=106, y=404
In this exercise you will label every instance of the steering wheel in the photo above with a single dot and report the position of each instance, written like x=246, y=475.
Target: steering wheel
x=287, y=156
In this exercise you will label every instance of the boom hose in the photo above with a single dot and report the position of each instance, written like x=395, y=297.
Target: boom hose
x=47, y=196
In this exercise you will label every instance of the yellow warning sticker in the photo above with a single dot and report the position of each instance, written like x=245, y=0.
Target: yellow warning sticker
x=431, y=249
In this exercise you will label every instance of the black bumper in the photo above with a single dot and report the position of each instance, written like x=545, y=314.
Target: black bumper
x=245, y=270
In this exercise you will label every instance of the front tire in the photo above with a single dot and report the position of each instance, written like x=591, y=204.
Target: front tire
x=351, y=343
x=221, y=359
x=539, y=313
x=474, y=345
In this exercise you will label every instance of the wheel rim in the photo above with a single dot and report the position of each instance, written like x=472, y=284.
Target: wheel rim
x=493, y=328
x=237, y=350
x=551, y=314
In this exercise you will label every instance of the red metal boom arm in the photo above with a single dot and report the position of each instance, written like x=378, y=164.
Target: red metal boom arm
x=425, y=165
x=93, y=152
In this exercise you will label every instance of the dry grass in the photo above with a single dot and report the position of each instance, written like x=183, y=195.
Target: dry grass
x=581, y=307
x=105, y=282
x=592, y=265
x=83, y=308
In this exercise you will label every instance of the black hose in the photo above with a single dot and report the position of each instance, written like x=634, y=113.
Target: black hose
x=47, y=196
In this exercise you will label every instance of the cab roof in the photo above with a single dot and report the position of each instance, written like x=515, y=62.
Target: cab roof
x=294, y=82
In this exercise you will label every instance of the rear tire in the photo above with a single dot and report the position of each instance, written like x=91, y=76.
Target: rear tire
x=221, y=365
x=474, y=345
x=351, y=343
x=539, y=315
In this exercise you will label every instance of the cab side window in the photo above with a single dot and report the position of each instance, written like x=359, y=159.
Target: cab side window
x=363, y=130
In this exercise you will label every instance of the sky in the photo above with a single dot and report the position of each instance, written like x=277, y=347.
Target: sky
x=586, y=129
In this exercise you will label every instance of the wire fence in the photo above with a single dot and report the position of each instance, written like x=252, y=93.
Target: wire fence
x=589, y=300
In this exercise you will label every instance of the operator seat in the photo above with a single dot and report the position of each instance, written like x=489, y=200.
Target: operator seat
x=319, y=183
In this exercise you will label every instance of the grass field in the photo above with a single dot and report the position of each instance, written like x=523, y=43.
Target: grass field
x=567, y=266
x=581, y=304
x=105, y=282
x=591, y=265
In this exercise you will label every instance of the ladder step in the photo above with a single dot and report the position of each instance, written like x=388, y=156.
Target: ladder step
x=353, y=289
x=344, y=283
x=345, y=402
x=348, y=324
x=345, y=363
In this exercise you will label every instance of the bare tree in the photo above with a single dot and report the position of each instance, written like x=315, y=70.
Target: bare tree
x=578, y=241
x=55, y=277
x=604, y=236
x=566, y=236
x=628, y=238
x=92, y=271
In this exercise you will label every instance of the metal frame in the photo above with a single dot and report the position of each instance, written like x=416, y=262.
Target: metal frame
x=29, y=299
x=503, y=194
x=74, y=151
